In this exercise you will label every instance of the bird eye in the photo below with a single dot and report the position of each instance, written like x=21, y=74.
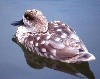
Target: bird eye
x=28, y=16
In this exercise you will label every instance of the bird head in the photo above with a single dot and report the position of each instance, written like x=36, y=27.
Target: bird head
x=35, y=20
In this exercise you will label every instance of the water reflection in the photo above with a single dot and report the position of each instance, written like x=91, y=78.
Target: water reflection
x=81, y=70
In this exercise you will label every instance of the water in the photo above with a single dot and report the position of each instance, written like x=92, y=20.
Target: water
x=82, y=15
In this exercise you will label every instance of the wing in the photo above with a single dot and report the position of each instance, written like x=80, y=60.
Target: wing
x=60, y=42
x=65, y=41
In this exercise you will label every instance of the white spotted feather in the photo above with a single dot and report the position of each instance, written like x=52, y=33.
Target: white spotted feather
x=53, y=39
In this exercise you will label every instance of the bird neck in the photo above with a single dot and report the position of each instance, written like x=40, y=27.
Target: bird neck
x=40, y=28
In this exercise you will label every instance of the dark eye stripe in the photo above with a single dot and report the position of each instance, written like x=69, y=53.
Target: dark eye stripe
x=28, y=16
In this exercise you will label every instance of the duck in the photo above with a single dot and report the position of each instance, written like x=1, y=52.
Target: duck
x=54, y=39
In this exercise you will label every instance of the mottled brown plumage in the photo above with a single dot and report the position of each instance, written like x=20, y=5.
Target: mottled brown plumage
x=54, y=39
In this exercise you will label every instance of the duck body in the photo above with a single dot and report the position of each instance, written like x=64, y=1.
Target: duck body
x=58, y=42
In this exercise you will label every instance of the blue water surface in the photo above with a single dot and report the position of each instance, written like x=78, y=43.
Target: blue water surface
x=82, y=15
